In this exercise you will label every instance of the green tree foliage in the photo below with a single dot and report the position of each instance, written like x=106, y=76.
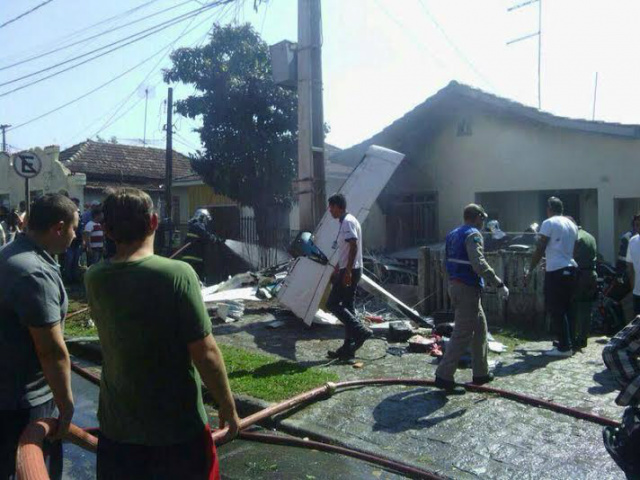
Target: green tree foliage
x=249, y=130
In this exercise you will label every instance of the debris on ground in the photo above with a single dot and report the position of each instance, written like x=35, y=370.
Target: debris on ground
x=325, y=318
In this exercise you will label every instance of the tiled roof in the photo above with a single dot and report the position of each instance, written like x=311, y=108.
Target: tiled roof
x=408, y=133
x=125, y=164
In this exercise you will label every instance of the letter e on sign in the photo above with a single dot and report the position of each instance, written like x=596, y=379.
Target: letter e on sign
x=27, y=164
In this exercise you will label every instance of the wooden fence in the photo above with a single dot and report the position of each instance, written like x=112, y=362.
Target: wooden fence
x=525, y=307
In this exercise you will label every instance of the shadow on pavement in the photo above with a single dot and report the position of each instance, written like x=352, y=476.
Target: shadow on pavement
x=607, y=383
x=281, y=341
x=527, y=363
x=411, y=410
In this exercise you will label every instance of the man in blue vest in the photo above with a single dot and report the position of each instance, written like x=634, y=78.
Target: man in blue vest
x=468, y=270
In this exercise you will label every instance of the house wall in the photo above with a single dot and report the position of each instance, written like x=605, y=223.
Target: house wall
x=53, y=178
x=505, y=155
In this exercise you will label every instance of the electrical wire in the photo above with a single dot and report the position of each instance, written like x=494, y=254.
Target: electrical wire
x=108, y=123
x=413, y=38
x=455, y=48
x=104, y=32
x=148, y=32
x=25, y=13
x=61, y=40
x=77, y=99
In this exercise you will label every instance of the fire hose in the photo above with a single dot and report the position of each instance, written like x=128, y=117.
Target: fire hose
x=31, y=461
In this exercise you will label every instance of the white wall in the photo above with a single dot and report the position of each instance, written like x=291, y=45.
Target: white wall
x=53, y=178
x=507, y=155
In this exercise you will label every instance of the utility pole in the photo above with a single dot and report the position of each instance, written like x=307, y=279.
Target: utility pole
x=311, y=178
x=4, y=136
x=531, y=35
x=169, y=170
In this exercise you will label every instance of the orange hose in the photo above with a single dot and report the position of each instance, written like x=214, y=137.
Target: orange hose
x=30, y=457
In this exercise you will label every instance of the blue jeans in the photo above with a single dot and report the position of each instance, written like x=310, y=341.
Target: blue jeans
x=12, y=423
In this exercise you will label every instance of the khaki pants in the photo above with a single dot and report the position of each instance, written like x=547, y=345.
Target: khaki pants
x=470, y=328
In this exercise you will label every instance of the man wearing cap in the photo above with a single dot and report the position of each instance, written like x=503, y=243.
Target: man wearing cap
x=558, y=237
x=468, y=270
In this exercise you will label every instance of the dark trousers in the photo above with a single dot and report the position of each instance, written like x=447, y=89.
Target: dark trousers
x=581, y=306
x=71, y=264
x=192, y=460
x=559, y=287
x=341, y=304
x=636, y=305
x=12, y=423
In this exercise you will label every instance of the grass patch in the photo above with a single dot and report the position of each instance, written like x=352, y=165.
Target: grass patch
x=269, y=378
x=77, y=326
x=512, y=337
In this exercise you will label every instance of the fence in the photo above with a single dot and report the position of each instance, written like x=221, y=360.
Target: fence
x=265, y=251
x=525, y=307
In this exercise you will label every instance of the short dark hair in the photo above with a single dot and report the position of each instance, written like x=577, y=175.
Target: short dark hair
x=338, y=200
x=555, y=205
x=49, y=210
x=127, y=215
x=95, y=212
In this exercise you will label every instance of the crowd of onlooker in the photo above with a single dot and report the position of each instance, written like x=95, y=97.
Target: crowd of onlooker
x=88, y=247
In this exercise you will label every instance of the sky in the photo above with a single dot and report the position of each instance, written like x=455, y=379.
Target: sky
x=381, y=58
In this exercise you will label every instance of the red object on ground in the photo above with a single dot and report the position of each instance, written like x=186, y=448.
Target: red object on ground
x=374, y=318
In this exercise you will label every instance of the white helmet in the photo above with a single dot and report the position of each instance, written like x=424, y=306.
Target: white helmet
x=202, y=215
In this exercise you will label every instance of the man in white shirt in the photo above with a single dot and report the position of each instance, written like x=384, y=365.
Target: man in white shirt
x=633, y=267
x=345, y=279
x=93, y=237
x=558, y=235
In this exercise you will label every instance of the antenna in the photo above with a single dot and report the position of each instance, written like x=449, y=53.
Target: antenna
x=531, y=35
x=146, y=91
x=595, y=97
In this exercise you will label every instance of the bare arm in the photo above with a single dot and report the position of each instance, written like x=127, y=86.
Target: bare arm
x=539, y=253
x=208, y=360
x=353, y=251
x=56, y=366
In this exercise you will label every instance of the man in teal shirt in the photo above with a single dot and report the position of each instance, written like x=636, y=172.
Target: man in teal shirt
x=156, y=344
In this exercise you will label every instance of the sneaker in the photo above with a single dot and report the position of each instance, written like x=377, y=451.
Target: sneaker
x=450, y=387
x=554, y=352
x=358, y=342
x=484, y=379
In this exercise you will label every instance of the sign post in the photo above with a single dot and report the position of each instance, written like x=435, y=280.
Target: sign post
x=27, y=165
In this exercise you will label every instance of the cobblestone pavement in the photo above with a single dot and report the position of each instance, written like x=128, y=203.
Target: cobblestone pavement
x=471, y=436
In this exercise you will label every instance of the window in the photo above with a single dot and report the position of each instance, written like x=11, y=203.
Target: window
x=413, y=219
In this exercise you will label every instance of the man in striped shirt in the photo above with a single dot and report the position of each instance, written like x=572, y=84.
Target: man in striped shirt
x=94, y=237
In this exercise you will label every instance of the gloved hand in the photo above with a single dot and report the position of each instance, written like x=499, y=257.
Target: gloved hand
x=503, y=292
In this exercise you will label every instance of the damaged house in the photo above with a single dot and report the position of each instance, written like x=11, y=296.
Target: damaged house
x=463, y=145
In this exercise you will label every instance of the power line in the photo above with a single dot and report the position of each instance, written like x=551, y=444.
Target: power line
x=25, y=13
x=77, y=99
x=408, y=32
x=147, y=32
x=173, y=22
x=453, y=45
x=107, y=123
x=97, y=35
x=61, y=39
x=224, y=10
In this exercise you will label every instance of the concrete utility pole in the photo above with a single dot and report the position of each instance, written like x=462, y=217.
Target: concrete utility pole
x=169, y=169
x=4, y=136
x=311, y=179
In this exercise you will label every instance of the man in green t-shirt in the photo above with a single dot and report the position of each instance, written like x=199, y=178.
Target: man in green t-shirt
x=156, y=342
x=585, y=253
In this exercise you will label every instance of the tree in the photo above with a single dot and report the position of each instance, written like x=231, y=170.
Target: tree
x=249, y=130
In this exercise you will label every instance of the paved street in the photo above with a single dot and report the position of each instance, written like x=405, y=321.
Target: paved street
x=474, y=436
